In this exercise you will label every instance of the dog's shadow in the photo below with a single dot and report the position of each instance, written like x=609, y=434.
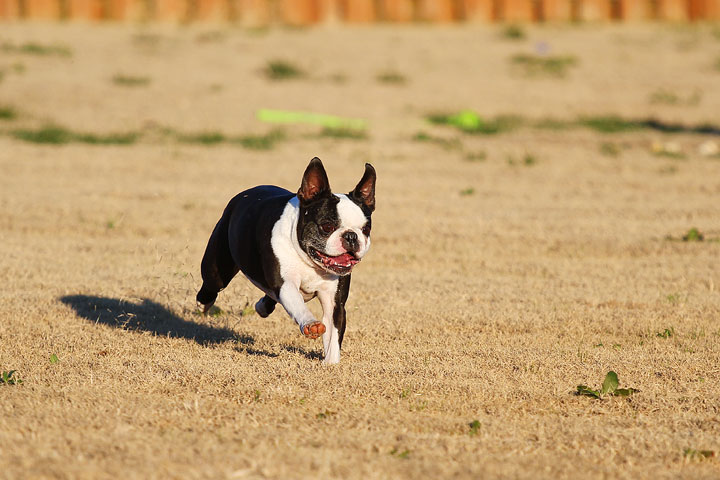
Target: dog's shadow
x=146, y=316
x=149, y=316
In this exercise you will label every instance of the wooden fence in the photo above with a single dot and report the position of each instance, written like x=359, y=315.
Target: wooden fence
x=310, y=12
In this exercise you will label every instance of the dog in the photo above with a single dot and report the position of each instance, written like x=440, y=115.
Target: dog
x=294, y=247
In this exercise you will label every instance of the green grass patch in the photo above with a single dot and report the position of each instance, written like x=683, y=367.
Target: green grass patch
x=282, y=70
x=8, y=113
x=130, y=81
x=55, y=135
x=544, y=65
x=391, y=78
x=610, y=124
x=474, y=428
x=266, y=141
x=32, y=48
x=202, y=138
x=467, y=192
x=513, y=32
x=344, y=133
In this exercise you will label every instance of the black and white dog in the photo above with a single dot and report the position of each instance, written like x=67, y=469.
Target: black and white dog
x=294, y=248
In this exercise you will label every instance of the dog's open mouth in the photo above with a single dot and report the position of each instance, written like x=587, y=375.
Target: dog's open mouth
x=340, y=264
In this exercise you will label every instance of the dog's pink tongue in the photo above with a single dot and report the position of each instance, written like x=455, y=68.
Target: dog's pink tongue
x=344, y=258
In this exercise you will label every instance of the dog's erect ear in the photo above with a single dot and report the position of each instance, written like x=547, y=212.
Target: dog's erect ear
x=365, y=190
x=315, y=182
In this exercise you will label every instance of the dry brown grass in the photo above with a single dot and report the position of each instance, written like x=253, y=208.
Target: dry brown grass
x=487, y=306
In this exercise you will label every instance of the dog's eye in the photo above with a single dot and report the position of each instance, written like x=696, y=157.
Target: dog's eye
x=366, y=230
x=327, y=227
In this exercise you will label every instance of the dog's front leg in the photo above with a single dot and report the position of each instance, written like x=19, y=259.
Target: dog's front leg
x=331, y=337
x=292, y=300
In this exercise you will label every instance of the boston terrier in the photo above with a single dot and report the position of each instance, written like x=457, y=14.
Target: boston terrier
x=294, y=248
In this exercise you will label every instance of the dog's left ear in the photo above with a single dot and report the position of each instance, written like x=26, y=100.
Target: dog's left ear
x=365, y=190
x=315, y=182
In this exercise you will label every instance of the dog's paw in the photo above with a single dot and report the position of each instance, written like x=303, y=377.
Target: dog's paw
x=264, y=307
x=313, y=330
x=204, y=309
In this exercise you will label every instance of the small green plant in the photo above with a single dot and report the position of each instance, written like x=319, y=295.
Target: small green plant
x=474, y=427
x=203, y=138
x=282, y=70
x=609, y=149
x=529, y=160
x=467, y=191
x=130, y=80
x=609, y=387
x=325, y=414
x=247, y=311
x=54, y=359
x=344, y=133
x=7, y=113
x=405, y=454
x=544, y=65
x=110, y=224
x=693, y=454
x=261, y=142
x=39, y=49
x=256, y=396
x=667, y=333
x=693, y=235
x=513, y=32
x=391, y=77
x=216, y=311
x=10, y=378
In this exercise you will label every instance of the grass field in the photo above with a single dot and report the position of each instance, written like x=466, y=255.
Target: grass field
x=514, y=257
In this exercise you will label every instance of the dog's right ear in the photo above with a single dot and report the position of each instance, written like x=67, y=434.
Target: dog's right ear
x=315, y=182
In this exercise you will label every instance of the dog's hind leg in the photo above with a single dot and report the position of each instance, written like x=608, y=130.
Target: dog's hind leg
x=217, y=267
x=265, y=306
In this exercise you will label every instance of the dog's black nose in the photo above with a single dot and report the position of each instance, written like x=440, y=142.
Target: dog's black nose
x=350, y=241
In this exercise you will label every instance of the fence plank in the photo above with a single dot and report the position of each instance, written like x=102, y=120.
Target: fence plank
x=594, y=10
x=556, y=10
x=635, y=10
x=42, y=9
x=478, y=10
x=675, y=10
x=359, y=11
x=9, y=9
x=436, y=11
x=516, y=11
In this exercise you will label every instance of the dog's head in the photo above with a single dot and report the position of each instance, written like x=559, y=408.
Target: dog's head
x=334, y=229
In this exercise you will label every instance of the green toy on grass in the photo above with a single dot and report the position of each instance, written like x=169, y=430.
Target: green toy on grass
x=327, y=121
